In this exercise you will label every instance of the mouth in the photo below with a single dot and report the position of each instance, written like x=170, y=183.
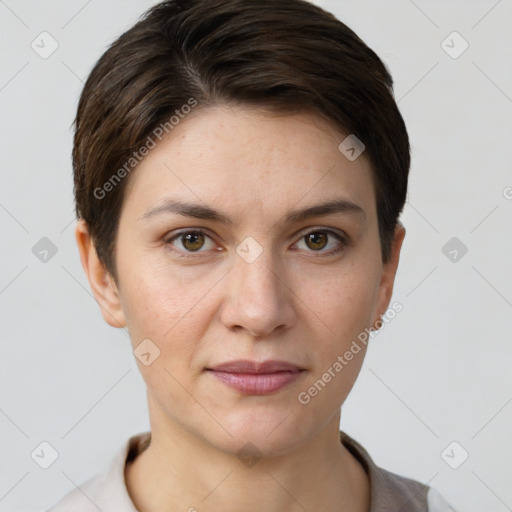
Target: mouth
x=257, y=378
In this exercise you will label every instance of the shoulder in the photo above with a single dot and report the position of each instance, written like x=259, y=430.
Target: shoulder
x=391, y=492
x=436, y=503
x=106, y=490
x=83, y=498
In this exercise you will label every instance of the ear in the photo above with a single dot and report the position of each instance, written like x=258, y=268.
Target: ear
x=388, y=274
x=102, y=283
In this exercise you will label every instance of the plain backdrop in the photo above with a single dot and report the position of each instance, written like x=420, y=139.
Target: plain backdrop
x=436, y=386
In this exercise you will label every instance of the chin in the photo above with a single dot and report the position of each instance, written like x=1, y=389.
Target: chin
x=267, y=433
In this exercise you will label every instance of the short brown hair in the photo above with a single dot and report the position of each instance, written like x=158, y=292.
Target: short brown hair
x=281, y=55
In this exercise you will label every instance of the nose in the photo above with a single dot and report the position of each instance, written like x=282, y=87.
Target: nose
x=257, y=298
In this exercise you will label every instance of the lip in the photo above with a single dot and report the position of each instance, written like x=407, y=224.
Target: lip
x=257, y=378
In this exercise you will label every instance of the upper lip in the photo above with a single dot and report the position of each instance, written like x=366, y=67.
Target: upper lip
x=246, y=366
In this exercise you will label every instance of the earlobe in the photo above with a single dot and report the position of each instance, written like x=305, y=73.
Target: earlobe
x=388, y=275
x=101, y=282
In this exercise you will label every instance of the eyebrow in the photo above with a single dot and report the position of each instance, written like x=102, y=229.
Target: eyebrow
x=198, y=211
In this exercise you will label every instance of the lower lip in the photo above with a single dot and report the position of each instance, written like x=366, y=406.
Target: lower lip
x=257, y=383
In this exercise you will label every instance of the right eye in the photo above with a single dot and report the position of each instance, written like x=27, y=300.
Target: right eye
x=190, y=241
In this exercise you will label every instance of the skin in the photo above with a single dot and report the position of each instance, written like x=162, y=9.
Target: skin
x=296, y=302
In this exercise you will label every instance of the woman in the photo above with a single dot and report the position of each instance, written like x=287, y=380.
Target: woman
x=240, y=169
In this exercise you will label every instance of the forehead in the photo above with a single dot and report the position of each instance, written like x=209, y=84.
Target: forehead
x=246, y=159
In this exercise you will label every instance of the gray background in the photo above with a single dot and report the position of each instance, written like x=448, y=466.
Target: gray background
x=438, y=373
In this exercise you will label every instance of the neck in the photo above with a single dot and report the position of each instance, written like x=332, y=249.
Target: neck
x=179, y=471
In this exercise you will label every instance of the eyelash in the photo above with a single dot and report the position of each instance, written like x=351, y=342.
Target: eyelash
x=344, y=241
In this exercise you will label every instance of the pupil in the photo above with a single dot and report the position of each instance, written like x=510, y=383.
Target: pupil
x=193, y=241
x=317, y=239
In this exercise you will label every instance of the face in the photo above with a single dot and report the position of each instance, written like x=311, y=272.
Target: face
x=248, y=254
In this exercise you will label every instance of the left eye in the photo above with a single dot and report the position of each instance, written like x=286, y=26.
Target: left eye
x=316, y=241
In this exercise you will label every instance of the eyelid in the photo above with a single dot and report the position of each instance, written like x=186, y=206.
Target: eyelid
x=314, y=229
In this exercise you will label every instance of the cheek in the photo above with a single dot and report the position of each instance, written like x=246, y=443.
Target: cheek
x=344, y=302
x=171, y=323
x=157, y=298
x=344, y=307
x=173, y=312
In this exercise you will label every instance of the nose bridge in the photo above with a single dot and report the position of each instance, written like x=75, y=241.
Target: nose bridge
x=257, y=299
x=258, y=277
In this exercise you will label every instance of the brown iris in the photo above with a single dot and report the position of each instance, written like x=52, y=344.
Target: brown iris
x=192, y=241
x=317, y=240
